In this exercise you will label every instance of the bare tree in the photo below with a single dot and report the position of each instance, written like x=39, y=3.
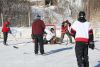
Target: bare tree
x=17, y=9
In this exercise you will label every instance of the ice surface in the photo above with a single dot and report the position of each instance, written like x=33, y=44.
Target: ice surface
x=57, y=55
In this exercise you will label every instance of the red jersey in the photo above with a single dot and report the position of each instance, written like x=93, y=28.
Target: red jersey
x=6, y=26
x=64, y=29
x=38, y=27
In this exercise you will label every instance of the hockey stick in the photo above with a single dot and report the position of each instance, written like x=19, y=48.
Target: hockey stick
x=14, y=37
x=97, y=49
x=17, y=46
x=16, y=40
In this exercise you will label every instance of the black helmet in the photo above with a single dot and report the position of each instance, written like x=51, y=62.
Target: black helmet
x=81, y=14
x=38, y=16
x=51, y=29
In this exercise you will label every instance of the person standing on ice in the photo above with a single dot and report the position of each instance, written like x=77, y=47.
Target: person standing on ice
x=38, y=27
x=65, y=30
x=83, y=33
x=6, y=30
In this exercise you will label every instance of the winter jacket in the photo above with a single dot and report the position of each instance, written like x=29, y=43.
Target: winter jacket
x=38, y=27
x=6, y=27
x=64, y=29
x=82, y=32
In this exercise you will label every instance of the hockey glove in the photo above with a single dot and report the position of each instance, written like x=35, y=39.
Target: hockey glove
x=91, y=45
x=10, y=32
x=32, y=35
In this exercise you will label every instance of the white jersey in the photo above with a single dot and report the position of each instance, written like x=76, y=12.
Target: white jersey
x=82, y=30
x=49, y=35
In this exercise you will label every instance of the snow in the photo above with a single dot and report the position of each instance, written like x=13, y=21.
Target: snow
x=57, y=55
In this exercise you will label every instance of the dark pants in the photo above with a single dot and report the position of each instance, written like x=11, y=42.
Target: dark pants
x=81, y=50
x=5, y=35
x=39, y=44
x=68, y=34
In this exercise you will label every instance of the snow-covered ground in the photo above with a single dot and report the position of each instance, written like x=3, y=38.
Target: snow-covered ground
x=57, y=55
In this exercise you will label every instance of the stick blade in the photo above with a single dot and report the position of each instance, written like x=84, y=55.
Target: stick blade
x=15, y=47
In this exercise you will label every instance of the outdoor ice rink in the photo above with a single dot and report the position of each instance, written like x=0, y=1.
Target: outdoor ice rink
x=57, y=55
x=22, y=13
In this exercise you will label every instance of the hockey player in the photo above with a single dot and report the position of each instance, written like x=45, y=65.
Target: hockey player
x=83, y=33
x=38, y=27
x=6, y=30
x=65, y=30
